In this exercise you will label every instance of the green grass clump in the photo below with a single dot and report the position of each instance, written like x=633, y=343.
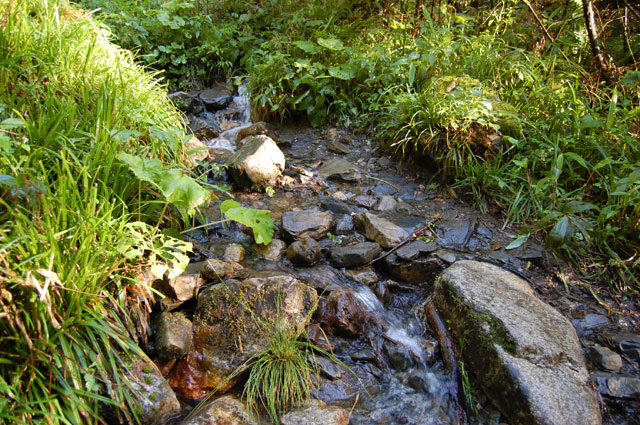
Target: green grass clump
x=74, y=224
x=281, y=375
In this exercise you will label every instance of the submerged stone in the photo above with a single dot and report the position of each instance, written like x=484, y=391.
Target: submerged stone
x=526, y=355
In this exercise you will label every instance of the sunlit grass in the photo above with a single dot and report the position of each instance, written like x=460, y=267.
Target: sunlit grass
x=69, y=102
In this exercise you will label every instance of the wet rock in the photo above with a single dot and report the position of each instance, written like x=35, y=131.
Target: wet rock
x=272, y=252
x=526, y=355
x=617, y=386
x=354, y=255
x=607, y=359
x=629, y=344
x=217, y=97
x=414, y=249
x=448, y=256
x=233, y=321
x=386, y=203
x=226, y=410
x=367, y=201
x=305, y=251
x=423, y=381
x=593, y=321
x=155, y=401
x=316, y=413
x=258, y=163
x=216, y=269
x=183, y=287
x=453, y=233
x=365, y=275
x=421, y=269
x=173, y=338
x=196, y=150
x=345, y=313
x=183, y=100
x=322, y=278
x=399, y=357
x=335, y=206
x=234, y=252
x=256, y=129
x=312, y=223
x=344, y=224
x=328, y=368
x=380, y=230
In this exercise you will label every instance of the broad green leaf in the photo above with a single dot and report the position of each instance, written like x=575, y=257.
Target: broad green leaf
x=344, y=72
x=11, y=123
x=6, y=180
x=147, y=170
x=307, y=46
x=331, y=43
x=561, y=231
x=6, y=144
x=603, y=163
x=518, y=242
x=181, y=190
x=259, y=220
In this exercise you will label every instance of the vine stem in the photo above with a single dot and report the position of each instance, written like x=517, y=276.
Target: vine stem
x=205, y=225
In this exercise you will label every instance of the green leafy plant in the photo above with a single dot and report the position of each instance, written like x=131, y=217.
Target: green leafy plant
x=258, y=220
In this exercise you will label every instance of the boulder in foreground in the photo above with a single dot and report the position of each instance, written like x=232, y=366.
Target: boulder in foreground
x=524, y=353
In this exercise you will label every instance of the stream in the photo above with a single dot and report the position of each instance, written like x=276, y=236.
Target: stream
x=371, y=316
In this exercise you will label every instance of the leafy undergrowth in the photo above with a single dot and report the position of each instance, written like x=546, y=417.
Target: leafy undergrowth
x=441, y=79
x=75, y=113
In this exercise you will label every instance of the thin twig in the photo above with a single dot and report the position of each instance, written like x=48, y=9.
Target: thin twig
x=383, y=181
x=535, y=15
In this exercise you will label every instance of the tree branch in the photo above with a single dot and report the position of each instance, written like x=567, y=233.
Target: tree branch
x=535, y=15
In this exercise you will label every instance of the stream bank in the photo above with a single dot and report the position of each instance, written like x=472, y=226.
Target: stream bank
x=338, y=205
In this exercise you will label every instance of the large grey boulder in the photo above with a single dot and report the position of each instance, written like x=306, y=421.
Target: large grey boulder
x=258, y=164
x=525, y=354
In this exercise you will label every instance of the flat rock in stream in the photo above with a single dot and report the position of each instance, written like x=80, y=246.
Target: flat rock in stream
x=258, y=164
x=217, y=97
x=354, y=255
x=316, y=413
x=526, y=355
x=226, y=410
x=380, y=230
x=340, y=169
x=311, y=223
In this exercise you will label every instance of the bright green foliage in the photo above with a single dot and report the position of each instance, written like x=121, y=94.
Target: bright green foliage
x=71, y=235
x=177, y=188
x=258, y=220
x=440, y=80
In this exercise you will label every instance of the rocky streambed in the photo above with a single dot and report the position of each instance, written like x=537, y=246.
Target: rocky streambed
x=364, y=248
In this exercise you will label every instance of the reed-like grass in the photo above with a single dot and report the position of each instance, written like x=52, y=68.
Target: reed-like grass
x=70, y=101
